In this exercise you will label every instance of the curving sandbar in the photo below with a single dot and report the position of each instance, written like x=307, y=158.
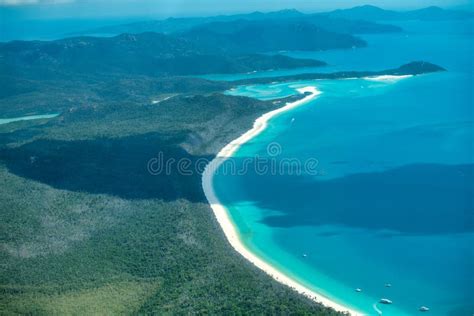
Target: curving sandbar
x=226, y=223
x=387, y=78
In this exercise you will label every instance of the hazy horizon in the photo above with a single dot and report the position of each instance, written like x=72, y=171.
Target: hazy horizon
x=85, y=9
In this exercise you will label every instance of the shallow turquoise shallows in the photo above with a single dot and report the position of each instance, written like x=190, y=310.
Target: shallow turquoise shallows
x=388, y=208
x=26, y=118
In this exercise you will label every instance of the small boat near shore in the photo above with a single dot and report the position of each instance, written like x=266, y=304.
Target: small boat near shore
x=385, y=301
x=423, y=309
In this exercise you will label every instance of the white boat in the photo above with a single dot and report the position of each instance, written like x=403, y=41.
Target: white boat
x=385, y=301
x=358, y=290
x=424, y=309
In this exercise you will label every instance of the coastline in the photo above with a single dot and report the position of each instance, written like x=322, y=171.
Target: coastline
x=387, y=78
x=223, y=218
x=27, y=118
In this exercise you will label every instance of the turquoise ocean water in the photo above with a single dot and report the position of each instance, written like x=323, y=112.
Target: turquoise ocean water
x=392, y=199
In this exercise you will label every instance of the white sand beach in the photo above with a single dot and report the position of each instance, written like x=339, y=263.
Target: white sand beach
x=226, y=223
x=387, y=78
x=27, y=118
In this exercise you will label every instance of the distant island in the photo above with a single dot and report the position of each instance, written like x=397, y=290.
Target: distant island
x=160, y=55
x=193, y=53
x=413, y=68
x=367, y=19
x=373, y=13
x=180, y=25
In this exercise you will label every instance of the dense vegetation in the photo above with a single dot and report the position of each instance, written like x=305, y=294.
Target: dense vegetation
x=67, y=95
x=268, y=36
x=86, y=229
x=150, y=54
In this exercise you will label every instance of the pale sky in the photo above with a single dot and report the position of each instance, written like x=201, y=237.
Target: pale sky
x=39, y=9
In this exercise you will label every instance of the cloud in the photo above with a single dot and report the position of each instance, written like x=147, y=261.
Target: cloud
x=30, y=2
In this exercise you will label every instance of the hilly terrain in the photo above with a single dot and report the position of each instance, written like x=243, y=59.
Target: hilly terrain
x=267, y=36
x=178, y=25
x=150, y=54
x=373, y=13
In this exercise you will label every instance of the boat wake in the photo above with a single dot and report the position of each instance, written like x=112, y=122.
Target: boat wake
x=377, y=309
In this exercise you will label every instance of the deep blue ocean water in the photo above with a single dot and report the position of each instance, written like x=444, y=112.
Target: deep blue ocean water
x=14, y=27
x=391, y=200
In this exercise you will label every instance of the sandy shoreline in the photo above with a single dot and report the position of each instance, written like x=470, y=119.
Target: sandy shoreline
x=226, y=223
x=27, y=118
x=387, y=78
